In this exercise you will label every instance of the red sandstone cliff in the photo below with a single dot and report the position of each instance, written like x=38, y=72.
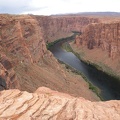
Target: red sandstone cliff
x=105, y=36
x=103, y=43
x=46, y=104
x=22, y=37
x=20, y=41
x=56, y=27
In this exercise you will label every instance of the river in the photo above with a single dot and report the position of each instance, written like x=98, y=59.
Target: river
x=109, y=86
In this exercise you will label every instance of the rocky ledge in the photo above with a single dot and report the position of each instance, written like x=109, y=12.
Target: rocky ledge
x=46, y=104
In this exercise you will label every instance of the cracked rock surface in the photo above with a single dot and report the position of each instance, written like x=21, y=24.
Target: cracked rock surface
x=46, y=104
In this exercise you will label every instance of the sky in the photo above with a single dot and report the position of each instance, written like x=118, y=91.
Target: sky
x=48, y=7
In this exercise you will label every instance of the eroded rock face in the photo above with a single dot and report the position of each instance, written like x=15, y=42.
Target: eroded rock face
x=8, y=78
x=102, y=35
x=55, y=27
x=21, y=37
x=21, y=40
x=46, y=104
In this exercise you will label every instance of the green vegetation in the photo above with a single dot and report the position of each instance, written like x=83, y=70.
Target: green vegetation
x=77, y=32
x=100, y=67
x=61, y=39
x=52, y=43
x=67, y=47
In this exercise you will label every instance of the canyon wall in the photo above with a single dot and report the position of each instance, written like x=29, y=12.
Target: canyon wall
x=46, y=104
x=20, y=41
x=105, y=36
x=103, y=43
x=21, y=37
x=55, y=27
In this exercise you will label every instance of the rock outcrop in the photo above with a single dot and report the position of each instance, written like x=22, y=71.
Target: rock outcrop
x=46, y=104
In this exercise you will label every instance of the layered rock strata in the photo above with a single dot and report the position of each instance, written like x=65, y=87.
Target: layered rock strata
x=46, y=104
x=103, y=35
x=100, y=44
x=56, y=27
x=8, y=78
x=22, y=38
x=20, y=41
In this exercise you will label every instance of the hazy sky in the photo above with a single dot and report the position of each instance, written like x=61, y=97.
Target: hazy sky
x=47, y=7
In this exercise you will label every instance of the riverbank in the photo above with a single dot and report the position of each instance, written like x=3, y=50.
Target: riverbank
x=109, y=86
x=48, y=45
x=70, y=37
x=95, y=89
x=91, y=87
x=89, y=59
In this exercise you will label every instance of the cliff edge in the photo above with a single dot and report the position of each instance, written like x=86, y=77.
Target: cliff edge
x=46, y=104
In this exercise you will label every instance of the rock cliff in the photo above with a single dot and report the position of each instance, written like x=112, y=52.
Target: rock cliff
x=8, y=78
x=103, y=35
x=21, y=37
x=56, y=27
x=20, y=41
x=46, y=104
x=103, y=43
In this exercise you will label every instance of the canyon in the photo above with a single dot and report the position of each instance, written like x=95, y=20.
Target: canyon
x=26, y=64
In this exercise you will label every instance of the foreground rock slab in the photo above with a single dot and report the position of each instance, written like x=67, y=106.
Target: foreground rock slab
x=46, y=104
